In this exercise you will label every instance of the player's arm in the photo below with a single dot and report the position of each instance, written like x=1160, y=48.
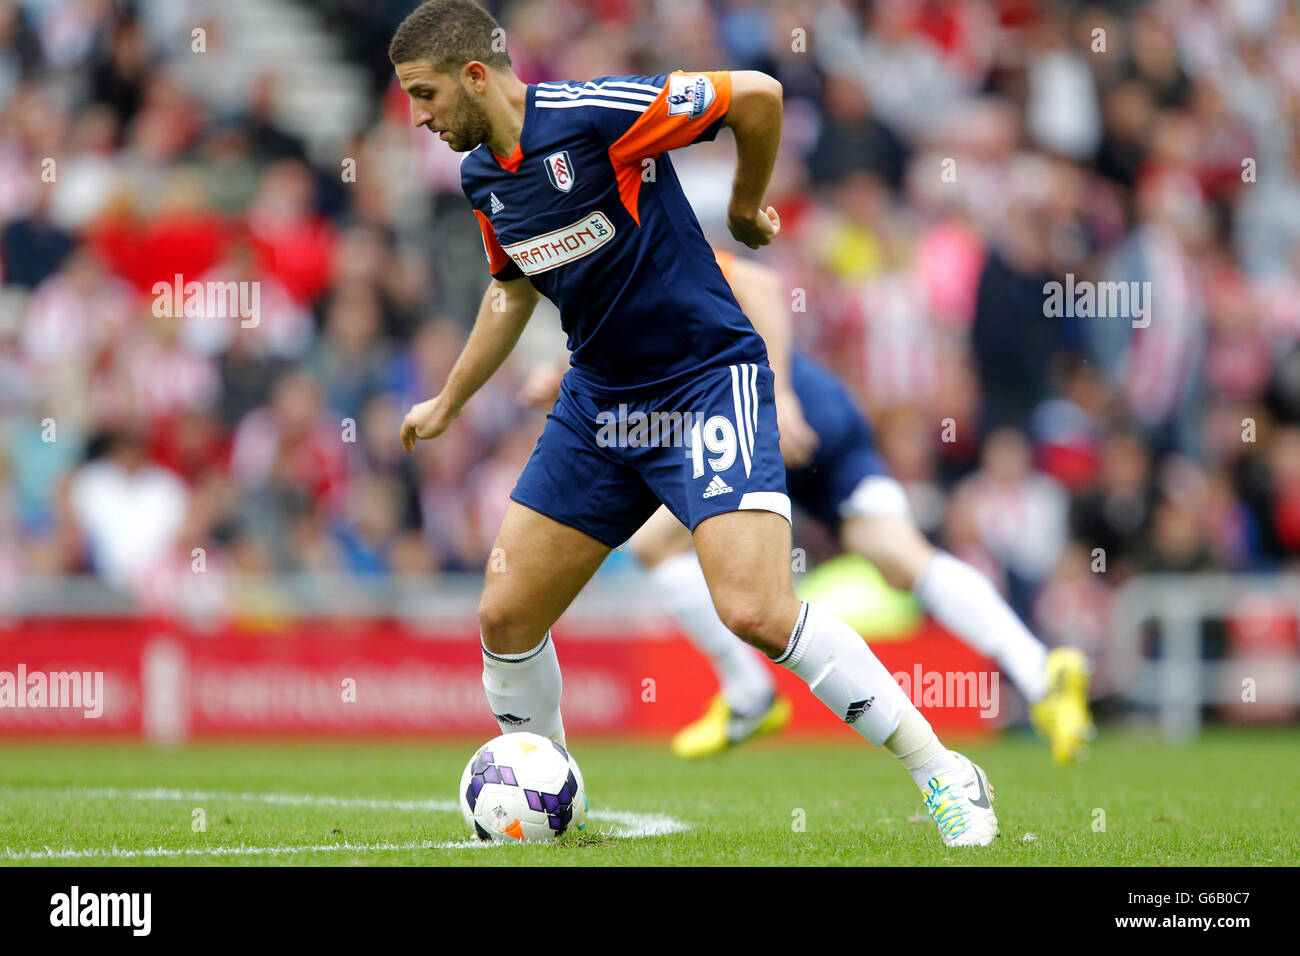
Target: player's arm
x=759, y=293
x=691, y=108
x=754, y=117
x=505, y=310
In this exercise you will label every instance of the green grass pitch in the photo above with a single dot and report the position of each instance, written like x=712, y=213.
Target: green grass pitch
x=1227, y=799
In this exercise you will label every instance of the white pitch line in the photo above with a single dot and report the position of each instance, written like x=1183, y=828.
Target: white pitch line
x=117, y=854
x=636, y=825
x=642, y=824
x=281, y=799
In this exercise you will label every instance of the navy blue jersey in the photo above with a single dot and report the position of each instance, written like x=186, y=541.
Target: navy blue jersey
x=590, y=210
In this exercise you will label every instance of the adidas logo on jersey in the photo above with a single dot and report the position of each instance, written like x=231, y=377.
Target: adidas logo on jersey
x=717, y=487
x=496, y=205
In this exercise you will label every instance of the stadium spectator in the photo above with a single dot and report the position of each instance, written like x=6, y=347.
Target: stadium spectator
x=128, y=510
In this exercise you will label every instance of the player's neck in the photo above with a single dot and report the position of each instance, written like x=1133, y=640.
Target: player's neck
x=507, y=116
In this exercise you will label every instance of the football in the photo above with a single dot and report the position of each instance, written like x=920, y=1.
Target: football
x=522, y=788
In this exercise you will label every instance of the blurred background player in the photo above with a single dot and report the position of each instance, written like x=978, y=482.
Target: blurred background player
x=835, y=474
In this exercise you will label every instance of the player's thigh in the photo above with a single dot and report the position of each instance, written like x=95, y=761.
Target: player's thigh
x=574, y=501
x=578, y=479
x=537, y=568
x=746, y=560
x=660, y=538
x=728, y=486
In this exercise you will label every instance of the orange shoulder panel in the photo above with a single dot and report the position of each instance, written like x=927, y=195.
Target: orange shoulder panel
x=657, y=130
x=497, y=258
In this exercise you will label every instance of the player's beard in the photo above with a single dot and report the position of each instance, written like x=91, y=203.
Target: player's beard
x=469, y=125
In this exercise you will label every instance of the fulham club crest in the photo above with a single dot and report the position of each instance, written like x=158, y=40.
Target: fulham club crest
x=560, y=171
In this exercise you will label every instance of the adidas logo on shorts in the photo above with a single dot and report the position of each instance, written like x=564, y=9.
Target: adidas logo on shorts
x=717, y=487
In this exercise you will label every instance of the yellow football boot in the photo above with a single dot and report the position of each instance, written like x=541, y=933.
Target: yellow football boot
x=720, y=729
x=1062, y=716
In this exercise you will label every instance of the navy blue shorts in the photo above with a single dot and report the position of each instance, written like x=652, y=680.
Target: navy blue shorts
x=711, y=446
x=846, y=475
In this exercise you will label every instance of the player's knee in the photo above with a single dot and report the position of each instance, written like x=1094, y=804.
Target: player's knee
x=893, y=545
x=491, y=624
x=503, y=631
x=896, y=572
x=756, y=623
x=745, y=623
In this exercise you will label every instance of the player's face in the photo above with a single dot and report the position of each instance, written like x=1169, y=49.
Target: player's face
x=440, y=103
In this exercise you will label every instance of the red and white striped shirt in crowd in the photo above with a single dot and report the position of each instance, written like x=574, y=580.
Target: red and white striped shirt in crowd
x=166, y=378
x=66, y=322
x=899, y=344
x=1163, y=357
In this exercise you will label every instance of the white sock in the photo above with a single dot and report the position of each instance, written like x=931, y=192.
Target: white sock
x=747, y=685
x=523, y=690
x=967, y=604
x=843, y=674
x=919, y=750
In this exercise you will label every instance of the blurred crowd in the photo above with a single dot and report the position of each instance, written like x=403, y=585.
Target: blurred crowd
x=942, y=161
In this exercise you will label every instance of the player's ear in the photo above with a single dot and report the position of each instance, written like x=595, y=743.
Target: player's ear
x=474, y=76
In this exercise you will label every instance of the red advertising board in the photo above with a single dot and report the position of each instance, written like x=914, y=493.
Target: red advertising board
x=165, y=680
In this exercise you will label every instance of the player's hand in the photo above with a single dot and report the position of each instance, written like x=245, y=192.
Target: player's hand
x=798, y=440
x=542, y=386
x=754, y=229
x=425, y=420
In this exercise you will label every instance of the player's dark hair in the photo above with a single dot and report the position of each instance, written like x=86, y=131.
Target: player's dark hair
x=449, y=34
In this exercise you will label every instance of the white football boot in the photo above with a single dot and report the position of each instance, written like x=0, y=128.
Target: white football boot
x=961, y=805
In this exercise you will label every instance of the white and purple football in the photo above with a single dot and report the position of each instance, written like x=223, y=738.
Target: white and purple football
x=522, y=788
